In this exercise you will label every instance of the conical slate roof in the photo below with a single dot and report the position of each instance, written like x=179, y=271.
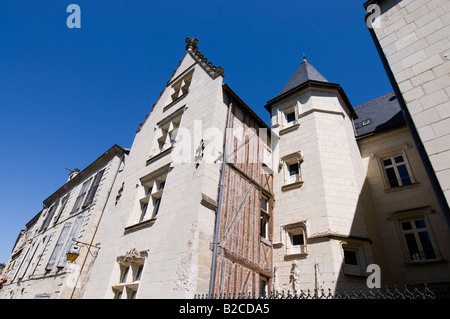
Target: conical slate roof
x=305, y=72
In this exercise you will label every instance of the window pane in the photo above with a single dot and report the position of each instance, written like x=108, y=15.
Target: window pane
x=139, y=272
x=124, y=275
x=413, y=249
x=406, y=226
x=293, y=169
x=427, y=246
x=399, y=159
x=387, y=162
x=290, y=117
x=404, y=175
x=420, y=223
x=264, y=204
x=392, y=178
x=350, y=257
x=263, y=226
x=156, y=208
x=297, y=239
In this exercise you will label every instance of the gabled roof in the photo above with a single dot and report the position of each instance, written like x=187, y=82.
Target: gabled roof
x=379, y=115
x=305, y=72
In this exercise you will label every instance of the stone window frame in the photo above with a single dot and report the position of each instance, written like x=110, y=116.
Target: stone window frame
x=285, y=163
x=128, y=282
x=356, y=247
x=180, y=85
x=166, y=134
x=290, y=230
x=150, y=191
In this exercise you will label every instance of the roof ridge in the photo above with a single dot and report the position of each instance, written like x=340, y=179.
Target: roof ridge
x=377, y=99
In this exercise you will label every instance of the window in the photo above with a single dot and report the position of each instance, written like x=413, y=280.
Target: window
x=295, y=239
x=80, y=197
x=353, y=259
x=151, y=195
x=93, y=189
x=396, y=171
x=418, y=241
x=131, y=266
x=288, y=116
x=292, y=174
x=263, y=286
x=168, y=131
x=264, y=218
x=63, y=205
x=181, y=87
x=48, y=218
x=64, y=243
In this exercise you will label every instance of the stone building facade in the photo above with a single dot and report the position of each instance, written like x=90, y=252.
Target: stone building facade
x=210, y=199
x=38, y=267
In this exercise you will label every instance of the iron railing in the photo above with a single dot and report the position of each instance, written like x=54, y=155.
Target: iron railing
x=354, y=293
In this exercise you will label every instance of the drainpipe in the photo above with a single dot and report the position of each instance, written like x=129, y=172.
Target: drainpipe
x=219, y=203
x=408, y=119
x=98, y=222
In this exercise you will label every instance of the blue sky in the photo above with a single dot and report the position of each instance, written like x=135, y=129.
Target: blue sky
x=68, y=95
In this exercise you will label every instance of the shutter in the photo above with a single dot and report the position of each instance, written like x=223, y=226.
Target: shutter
x=73, y=233
x=63, y=205
x=81, y=196
x=49, y=216
x=58, y=246
x=93, y=190
x=38, y=258
x=28, y=260
x=21, y=262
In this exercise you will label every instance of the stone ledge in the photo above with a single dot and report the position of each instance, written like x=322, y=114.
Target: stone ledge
x=159, y=155
x=291, y=186
x=289, y=129
x=140, y=225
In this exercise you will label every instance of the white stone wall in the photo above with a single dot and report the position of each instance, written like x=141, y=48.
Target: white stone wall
x=328, y=202
x=414, y=35
x=60, y=283
x=397, y=268
x=177, y=243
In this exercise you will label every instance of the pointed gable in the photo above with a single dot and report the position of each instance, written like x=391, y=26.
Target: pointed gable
x=305, y=72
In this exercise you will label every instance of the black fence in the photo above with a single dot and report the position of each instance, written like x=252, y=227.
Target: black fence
x=354, y=293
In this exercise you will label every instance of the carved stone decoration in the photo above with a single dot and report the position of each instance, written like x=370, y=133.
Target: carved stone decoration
x=133, y=255
x=191, y=46
x=294, y=277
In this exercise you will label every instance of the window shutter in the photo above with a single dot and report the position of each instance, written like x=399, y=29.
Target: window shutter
x=49, y=216
x=58, y=245
x=73, y=233
x=21, y=261
x=93, y=190
x=63, y=205
x=80, y=197
x=28, y=260
x=38, y=258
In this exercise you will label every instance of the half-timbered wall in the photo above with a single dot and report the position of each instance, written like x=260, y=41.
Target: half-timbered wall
x=243, y=256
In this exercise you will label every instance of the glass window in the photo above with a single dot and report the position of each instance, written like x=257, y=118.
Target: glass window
x=418, y=240
x=396, y=171
x=350, y=257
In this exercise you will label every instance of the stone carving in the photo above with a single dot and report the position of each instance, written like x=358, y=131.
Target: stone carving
x=191, y=46
x=294, y=277
x=133, y=255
